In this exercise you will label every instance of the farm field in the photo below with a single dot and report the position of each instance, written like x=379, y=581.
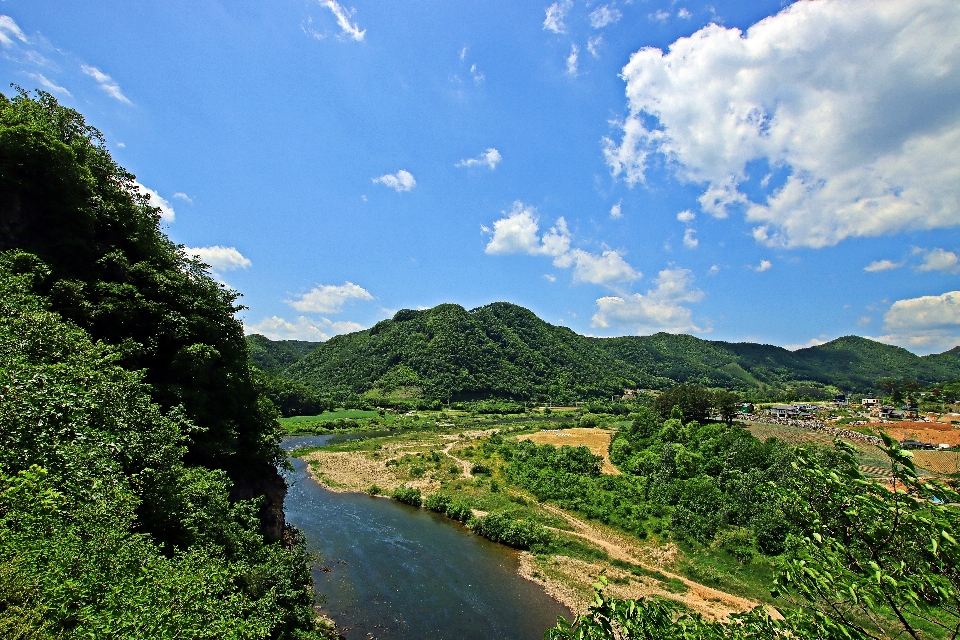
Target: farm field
x=354, y=414
x=597, y=440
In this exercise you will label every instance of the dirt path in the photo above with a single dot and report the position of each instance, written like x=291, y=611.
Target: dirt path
x=464, y=464
x=711, y=602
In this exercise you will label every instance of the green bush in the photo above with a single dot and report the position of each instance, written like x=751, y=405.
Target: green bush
x=520, y=534
x=460, y=510
x=437, y=502
x=407, y=495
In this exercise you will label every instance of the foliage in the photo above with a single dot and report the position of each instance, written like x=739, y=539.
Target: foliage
x=76, y=223
x=289, y=397
x=520, y=534
x=407, y=495
x=104, y=530
x=873, y=562
x=273, y=356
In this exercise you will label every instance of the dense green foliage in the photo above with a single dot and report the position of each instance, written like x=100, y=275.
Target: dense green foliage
x=139, y=496
x=97, y=254
x=104, y=530
x=504, y=351
x=274, y=355
x=864, y=562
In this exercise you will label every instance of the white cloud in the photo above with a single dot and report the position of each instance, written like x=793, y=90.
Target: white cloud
x=864, y=321
x=463, y=54
x=180, y=195
x=713, y=270
x=329, y=298
x=167, y=214
x=812, y=342
x=519, y=232
x=549, y=277
x=926, y=324
x=684, y=14
x=478, y=77
x=616, y=211
x=763, y=266
x=220, y=258
x=349, y=29
x=882, y=265
x=940, y=260
x=9, y=30
x=602, y=16
x=686, y=216
x=400, y=181
x=106, y=83
x=276, y=328
x=689, y=241
x=593, y=44
x=660, y=309
x=856, y=104
x=605, y=268
x=48, y=84
x=572, y=60
x=555, y=15
x=489, y=158
x=660, y=15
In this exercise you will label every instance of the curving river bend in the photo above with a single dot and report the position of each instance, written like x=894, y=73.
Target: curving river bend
x=391, y=571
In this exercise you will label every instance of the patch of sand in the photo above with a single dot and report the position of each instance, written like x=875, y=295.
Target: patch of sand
x=597, y=440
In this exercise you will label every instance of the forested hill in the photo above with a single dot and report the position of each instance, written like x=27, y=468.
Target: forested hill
x=503, y=350
x=274, y=355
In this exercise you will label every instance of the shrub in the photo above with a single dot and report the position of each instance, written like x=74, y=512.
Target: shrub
x=437, y=502
x=407, y=495
x=480, y=469
x=739, y=544
x=374, y=490
x=520, y=534
x=460, y=511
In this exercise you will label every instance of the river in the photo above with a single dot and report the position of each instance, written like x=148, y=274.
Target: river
x=391, y=571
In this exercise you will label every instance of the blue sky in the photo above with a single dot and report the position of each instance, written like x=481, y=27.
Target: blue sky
x=763, y=171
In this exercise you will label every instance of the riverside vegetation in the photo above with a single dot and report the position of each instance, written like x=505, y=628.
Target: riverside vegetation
x=794, y=528
x=139, y=451
x=139, y=492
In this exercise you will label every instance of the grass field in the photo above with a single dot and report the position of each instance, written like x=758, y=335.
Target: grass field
x=355, y=414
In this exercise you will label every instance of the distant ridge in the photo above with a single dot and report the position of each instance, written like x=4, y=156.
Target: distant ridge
x=504, y=350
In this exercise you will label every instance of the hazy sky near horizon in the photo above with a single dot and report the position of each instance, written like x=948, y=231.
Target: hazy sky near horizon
x=763, y=171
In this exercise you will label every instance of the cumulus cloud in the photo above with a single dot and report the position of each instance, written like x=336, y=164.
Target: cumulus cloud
x=349, y=29
x=10, y=31
x=167, y=214
x=940, y=260
x=549, y=277
x=855, y=106
x=555, y=15
x=329, y=298
x=604, y=15
x=713, y=270
x=659, y=309
x=927, y=324
x=220, y=258
x=763, y=266
x=106, y=83
x=303, y=328
x=400, y=181
x=684, y=14
x=689, y=241
x=519, y=232
x=616, y=211
x=572, y=60
x=686, y=216
x=882, y=265
x=180, y=195
x=489, y=158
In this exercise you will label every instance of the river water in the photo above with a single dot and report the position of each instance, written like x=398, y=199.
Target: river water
x=391, y=571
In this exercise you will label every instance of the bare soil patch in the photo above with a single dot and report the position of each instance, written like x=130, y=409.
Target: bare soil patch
x=597, y=440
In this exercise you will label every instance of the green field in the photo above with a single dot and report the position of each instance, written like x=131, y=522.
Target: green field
x=354, y=414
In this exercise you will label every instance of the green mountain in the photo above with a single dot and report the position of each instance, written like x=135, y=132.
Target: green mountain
x=503, y=350
x=274, y=355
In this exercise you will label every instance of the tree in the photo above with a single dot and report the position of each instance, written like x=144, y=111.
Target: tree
x=726, y=404
x=693, y=401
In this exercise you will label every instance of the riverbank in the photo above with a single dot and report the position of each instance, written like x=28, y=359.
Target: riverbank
x=432, y=461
